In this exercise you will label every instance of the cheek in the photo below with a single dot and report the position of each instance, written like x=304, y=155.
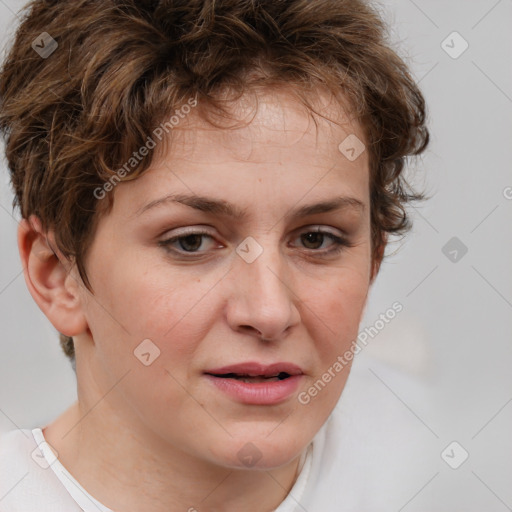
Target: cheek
x=336, y=310
x=342, y=313
x=135, y=301
x=347, y=301
x=340, y=309
x=338, y=301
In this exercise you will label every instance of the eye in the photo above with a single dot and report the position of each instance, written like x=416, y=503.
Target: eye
x=188, y=242
x=314, y=239
x=192, y=242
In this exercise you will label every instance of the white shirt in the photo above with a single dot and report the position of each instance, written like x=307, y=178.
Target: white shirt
x=370, y=455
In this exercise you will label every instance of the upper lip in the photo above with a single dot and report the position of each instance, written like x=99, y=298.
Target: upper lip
x=254, y=369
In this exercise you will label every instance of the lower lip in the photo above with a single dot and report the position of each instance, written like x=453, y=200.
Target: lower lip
x=259, y=393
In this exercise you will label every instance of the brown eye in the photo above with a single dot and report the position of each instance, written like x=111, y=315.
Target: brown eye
x=313, y=240
x=186, y=243
x=190, y=242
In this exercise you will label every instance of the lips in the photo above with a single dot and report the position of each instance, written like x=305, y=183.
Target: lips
x=255, y=383
x=256, y=372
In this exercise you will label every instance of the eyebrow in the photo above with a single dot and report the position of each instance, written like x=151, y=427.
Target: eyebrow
x=220, y=207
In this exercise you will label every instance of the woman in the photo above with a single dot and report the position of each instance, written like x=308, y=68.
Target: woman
x=206, y=189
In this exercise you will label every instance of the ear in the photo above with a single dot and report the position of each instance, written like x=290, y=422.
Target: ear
x=49, y=279
x=379, y=256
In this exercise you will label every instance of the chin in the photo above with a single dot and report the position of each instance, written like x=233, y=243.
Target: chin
x=261, y=451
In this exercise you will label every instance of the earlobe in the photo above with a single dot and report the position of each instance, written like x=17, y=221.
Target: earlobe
x=49, y=279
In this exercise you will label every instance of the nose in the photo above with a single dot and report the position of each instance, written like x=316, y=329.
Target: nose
x=261, y=299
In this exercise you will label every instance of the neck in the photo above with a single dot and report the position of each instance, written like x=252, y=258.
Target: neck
x=125, y=469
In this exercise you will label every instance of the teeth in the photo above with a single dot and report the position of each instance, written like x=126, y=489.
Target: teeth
x=252, y=380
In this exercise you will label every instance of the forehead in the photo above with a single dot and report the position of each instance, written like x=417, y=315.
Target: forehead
x=271, y=148
x=263, y=125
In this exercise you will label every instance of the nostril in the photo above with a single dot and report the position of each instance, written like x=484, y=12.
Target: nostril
x=262, y=338
x=248, y=328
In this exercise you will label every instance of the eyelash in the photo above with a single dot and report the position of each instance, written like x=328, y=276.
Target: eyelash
x=339, y=243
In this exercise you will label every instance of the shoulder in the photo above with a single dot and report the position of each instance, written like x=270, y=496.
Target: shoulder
x=26, y=480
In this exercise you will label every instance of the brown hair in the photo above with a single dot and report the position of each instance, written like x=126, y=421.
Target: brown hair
x=70, y=119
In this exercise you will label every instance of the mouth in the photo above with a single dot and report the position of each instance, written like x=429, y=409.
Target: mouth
x=253, y=372
x=253, y=379
x=255, y=383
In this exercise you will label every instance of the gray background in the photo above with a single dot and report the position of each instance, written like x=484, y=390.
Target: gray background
x=445, y=359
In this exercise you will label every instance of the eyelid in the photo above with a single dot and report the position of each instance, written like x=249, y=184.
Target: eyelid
x=305, y=229
x=166, y=243
x=190, y=231
x=322, y=228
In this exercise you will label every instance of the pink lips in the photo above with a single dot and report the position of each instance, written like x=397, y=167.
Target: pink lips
x=257, y=393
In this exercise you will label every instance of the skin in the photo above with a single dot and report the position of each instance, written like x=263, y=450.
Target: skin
x=161, y=437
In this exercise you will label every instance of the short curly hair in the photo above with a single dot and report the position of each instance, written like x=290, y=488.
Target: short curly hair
x=72, y=118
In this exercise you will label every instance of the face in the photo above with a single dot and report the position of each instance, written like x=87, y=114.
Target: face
x=196, y=311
